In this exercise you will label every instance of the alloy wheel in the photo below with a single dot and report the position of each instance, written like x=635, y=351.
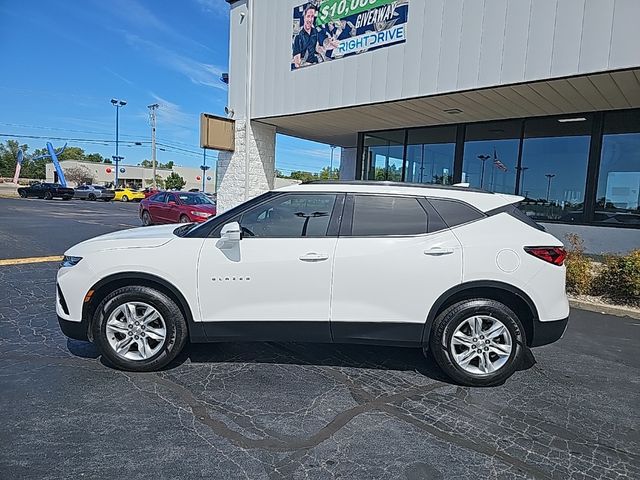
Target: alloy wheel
x=481, y=345
x=136, y=331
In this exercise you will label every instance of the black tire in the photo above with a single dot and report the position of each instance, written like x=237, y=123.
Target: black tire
x=445, y=325
x=184, y=219
x=22, y=193
x=48, y=196
x=124, y=198
x=176, y=326
x=92, y=197
x=146, y=218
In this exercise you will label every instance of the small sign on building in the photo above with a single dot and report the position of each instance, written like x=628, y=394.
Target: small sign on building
x=217, y=133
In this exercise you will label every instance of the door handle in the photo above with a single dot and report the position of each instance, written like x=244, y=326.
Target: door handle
x=437, y=251
x=314, y=257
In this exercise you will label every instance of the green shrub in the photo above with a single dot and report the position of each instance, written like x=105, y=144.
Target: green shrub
x=619, y=280
x=579, y=274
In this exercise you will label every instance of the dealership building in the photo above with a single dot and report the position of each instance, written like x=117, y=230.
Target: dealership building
x=134, y=176
x=539, y=98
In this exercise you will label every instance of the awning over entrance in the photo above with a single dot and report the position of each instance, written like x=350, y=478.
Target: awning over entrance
x=595, y=92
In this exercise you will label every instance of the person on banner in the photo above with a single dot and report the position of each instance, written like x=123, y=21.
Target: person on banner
x=306, y=45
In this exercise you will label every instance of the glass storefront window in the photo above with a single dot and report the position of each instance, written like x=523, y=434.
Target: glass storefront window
x=491, y=155
x=383, y=155
x=618, y=195
x=430, y=154
x=555, y=154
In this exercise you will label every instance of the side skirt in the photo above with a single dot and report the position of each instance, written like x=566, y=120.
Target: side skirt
x=373, y=333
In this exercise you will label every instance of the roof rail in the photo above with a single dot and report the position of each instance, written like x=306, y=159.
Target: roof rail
x=458, y=187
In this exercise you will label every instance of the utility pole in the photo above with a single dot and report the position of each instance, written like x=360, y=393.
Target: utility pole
x=152, y=117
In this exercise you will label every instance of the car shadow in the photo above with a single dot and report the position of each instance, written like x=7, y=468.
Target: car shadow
x=371, y=357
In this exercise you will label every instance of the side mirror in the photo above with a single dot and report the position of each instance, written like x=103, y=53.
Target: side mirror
x=231, y=232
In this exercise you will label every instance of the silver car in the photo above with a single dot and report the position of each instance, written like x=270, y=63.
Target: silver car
x=94, y=192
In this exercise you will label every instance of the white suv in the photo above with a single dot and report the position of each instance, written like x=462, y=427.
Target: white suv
x=460, y=272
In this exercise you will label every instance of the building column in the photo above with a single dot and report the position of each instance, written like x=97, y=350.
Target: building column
x=348, y=163
x=250, y=169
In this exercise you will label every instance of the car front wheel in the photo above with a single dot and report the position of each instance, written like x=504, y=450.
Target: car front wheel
x=22, y=193
x=478, y=342
x=48, y=196
x=139, y=329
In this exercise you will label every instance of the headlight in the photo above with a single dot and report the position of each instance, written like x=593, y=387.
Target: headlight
x=201, y=214
x=70, y=261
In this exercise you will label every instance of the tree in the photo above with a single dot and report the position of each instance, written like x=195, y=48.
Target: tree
x=72, y=153
x=327, y=174
x=94, y=157
x=161, y=166
x=174, y=181
x=303, y=176
x=78, y=175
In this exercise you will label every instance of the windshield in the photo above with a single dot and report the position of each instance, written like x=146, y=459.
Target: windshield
x=197, y=199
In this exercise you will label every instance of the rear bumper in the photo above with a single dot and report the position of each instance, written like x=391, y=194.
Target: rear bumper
x=545, y=333
x=75, y=330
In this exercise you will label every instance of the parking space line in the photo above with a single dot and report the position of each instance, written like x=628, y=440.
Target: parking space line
x=22, y=261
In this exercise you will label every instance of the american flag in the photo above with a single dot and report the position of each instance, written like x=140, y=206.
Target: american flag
x=498, y=163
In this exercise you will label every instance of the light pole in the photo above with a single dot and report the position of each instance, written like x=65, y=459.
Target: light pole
x=333, y=147
x=117, y=103
x=549, y=176
x=483, y=158
x=152, y=118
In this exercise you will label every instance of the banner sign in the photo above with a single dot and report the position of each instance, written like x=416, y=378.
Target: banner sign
x=325, y=30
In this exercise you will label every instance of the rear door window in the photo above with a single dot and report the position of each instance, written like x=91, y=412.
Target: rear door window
x=381, y=215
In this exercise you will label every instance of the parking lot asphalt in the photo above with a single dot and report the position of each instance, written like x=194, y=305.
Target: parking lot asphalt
x=275, y=410
x=34, y=227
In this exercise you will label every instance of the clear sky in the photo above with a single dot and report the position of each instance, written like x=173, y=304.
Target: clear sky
x=63, y=61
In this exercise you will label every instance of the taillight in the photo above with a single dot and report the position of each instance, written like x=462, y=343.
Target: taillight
x=555, y=255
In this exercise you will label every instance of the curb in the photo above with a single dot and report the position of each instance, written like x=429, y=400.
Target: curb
x=606, y=309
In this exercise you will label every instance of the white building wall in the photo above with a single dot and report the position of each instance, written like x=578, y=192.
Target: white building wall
x=254, y=155
x=451, y=45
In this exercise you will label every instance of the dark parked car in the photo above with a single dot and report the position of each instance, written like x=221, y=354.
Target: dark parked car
x=94, y=192
x=46, y=191
x=174, y=207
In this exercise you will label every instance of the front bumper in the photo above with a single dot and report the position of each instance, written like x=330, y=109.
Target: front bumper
x=545, y=333
x=75, y=330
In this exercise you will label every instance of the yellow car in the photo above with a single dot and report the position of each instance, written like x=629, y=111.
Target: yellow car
x=127, y=194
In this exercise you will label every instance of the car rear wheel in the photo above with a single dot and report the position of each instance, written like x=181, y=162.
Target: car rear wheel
x=22, y=193
x=48, y=196
x=92, y=197
x=184, y=219
x=139, y=329
x=125, y=198
x=146, y=218
x=478, y=342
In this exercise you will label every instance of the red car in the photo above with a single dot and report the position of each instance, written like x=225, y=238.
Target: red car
x=176, y=207
x=149, y=191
